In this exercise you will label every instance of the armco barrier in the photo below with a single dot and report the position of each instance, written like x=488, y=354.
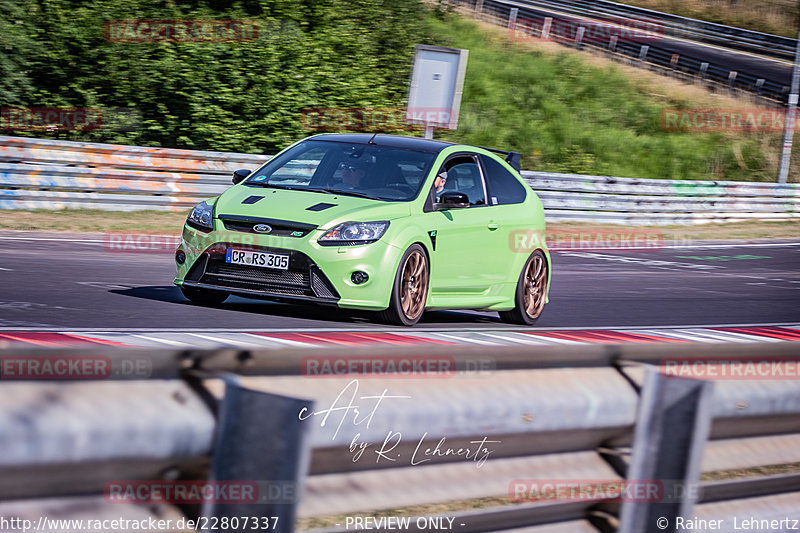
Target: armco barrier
x=46, y=174
x=604, y=199
x=562, y=20
x=701, y=31
x=550, y=434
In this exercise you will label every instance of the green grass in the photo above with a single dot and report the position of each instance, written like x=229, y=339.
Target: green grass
x=566, y=111
x=769, y=16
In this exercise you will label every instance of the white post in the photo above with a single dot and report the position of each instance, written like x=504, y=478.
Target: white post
x=791, y=113
x=546, y=27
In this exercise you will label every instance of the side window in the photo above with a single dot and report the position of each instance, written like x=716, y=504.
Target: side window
x=504, y=187
x=464, y=176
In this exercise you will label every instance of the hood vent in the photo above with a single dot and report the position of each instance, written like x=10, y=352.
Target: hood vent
x=320, y=206
x=252, y=199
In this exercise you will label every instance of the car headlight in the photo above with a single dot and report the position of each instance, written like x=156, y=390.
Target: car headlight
x=352, y=233
x=200, y=217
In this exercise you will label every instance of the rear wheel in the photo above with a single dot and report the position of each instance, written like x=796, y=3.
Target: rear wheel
x=410, y=289
x=204, y=296
x=531, y=292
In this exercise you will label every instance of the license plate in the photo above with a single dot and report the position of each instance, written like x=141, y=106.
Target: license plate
x=259, y=259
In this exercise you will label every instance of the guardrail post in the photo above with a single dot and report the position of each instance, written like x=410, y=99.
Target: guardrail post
x=579, y=36
x=703, y=69
x=643, y=51
x=732, y=79
x=512, y=18
x=759, y=86
x=262, y=442
x=612, y=43
x=478, y=7
x=672, y=426
x=548, y=21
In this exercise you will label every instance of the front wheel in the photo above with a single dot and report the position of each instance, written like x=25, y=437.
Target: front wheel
x=204, y=296
x=410, y=289
x=531, y=292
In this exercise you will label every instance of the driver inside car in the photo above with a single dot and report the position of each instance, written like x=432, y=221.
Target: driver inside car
x=353, y=173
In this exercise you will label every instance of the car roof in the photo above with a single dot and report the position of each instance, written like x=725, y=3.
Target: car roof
x=391, y=141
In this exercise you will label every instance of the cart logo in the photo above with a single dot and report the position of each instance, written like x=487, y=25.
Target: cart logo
x=262, y=228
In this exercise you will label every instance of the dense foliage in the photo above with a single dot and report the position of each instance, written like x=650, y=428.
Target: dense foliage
x=238, y=96
x=564, y=114
x=560, y=112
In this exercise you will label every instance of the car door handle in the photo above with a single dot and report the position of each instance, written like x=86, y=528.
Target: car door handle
x=492, y=225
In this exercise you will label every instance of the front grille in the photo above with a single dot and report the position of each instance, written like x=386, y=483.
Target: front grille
x=302, y=279
x=279, y=228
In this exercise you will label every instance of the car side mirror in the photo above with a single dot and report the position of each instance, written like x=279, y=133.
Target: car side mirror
x=452, y=200
x=239, y=175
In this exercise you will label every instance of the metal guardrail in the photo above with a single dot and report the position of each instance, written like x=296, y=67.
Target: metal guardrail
x=530, y=415
x=46, y=174
x=603, y=199
x=695, y=30
x=534, y=19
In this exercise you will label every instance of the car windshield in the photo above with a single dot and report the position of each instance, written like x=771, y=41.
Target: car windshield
x=364, y=170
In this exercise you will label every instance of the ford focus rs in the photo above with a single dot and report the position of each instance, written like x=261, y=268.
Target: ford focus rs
x=397, y=225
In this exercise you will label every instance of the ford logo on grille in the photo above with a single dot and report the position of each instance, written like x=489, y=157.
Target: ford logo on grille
x=262, y=228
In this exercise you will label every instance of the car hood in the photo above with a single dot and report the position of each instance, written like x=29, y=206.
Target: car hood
x=304, y=206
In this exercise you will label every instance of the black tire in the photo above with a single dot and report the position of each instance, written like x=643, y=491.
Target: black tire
x=204, y=296
x=410, y=288
x=531, y=292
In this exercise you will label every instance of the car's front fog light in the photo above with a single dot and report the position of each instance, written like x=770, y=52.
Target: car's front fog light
x=358, y=277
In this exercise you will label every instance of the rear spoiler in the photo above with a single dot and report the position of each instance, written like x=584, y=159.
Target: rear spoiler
x=512, y=158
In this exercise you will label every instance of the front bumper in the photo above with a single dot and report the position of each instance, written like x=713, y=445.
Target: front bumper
x=320, y=274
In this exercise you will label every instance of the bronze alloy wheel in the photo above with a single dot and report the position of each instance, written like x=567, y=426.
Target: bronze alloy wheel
x=410, y=289
x=531, y=292
x=535, y=286
x=414, y=285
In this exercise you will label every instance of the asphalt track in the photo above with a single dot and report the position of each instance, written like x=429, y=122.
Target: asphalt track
x=66, y=283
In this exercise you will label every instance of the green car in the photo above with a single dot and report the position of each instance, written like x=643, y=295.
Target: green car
x=386, y=223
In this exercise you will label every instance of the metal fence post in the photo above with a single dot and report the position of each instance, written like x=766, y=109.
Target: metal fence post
x=579, y=36
x=548, y=21
x=262, y=442
x=732, y=79
x=512, y=18
x=672, y=426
